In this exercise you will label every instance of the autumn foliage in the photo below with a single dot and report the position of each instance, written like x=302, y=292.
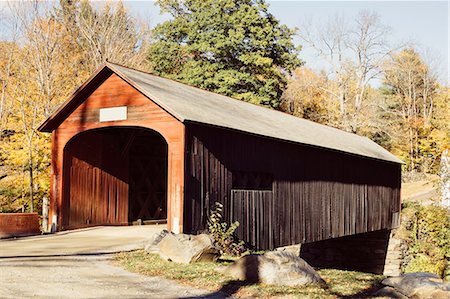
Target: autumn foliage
x=233, y=47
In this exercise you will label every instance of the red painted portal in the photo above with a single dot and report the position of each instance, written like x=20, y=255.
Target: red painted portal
x=117, y=175
x=102, y=156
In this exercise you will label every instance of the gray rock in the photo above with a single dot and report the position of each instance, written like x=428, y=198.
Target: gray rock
x=160, y=236
x=187, y=249
x=275, y=268
x=294, y=249
x=420, y=285
x=151, y=245
x=389, y=292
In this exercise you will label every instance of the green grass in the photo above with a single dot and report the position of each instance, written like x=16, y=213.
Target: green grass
x=339, y=283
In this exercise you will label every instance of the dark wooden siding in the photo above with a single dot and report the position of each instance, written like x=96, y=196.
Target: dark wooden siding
x=254, y=209
x=317, y=194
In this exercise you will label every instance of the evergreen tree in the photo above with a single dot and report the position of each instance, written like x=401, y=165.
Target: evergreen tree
x=233, y=47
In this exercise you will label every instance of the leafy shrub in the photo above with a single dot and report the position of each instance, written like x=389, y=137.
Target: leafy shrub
x=426, y=231
x=223, y=234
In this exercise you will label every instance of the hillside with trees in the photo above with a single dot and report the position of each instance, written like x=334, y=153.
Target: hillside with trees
x=46, y=53
x=389, y=94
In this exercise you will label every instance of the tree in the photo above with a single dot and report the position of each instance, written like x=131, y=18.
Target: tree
x=354, y=55
x=109, y=34
x=96, y=35
x=307, y=96
x=33, y=86
x=8, y=51
x=43, y=54
x=418, y=108
x=51, y=50
x=8, y=55
x=233, y=47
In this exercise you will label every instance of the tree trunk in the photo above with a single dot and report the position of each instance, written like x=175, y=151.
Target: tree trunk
x=411, y=150
x=30, y=170
x=416, y=143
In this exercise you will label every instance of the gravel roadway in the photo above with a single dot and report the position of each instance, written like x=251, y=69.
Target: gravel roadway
x=78, y=264
x=83, y=277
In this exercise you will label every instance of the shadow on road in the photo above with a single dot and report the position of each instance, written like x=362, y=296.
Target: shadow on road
x=226, y=291
x=49, y=256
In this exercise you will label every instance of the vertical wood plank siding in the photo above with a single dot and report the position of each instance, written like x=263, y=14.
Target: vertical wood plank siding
x=316, y=194
x=90, y=205
x=255, y=211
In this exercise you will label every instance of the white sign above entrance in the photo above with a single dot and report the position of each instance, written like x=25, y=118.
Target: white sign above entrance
x=113, y=114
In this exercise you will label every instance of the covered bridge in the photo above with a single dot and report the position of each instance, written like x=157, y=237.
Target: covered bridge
x=130, y=146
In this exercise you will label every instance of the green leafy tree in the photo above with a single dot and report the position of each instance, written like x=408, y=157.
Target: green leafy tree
x=233, y=47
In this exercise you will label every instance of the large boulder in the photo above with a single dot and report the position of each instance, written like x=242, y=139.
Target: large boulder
x=294, y=249
x=389, y=292
x=183, y=248
x=275, y=268
x=151, y=245
x=420, y=285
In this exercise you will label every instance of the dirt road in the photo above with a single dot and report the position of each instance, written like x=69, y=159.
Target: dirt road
x=81, y=277
x=78, y=264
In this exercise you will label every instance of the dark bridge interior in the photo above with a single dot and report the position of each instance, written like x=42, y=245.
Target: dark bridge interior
x=115, y=176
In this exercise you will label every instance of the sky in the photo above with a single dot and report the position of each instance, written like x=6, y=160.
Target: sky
x=424, y=23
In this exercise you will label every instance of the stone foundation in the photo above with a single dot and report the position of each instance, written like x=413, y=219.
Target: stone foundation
x=19, y=224
x=373, y=252
x=394, y=257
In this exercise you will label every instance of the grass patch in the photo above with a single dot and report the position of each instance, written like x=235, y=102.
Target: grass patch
x=340, y=284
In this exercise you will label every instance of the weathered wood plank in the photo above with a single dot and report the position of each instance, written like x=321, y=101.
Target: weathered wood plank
x=317, y=194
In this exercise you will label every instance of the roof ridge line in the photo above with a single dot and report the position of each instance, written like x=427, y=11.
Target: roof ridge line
x=229, y=97
x=128, y=67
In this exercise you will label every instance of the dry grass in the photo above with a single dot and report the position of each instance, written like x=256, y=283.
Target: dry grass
x=426, y=184
x=340, y=284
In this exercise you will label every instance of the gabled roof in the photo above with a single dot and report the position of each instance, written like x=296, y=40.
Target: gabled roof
x=191, y=104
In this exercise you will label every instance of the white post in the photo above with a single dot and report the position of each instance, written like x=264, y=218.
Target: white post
x=445, y=178
x=45, y=214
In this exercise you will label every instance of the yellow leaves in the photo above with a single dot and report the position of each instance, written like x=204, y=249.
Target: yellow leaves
x=14, y=151
x=419, y=103
x=49, y=59
x=16, y=156
x=308, y=96
x=11, y=195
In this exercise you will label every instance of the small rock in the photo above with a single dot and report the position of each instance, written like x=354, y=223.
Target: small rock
x=420, y=285
x=275, y=267
x=183, y=248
